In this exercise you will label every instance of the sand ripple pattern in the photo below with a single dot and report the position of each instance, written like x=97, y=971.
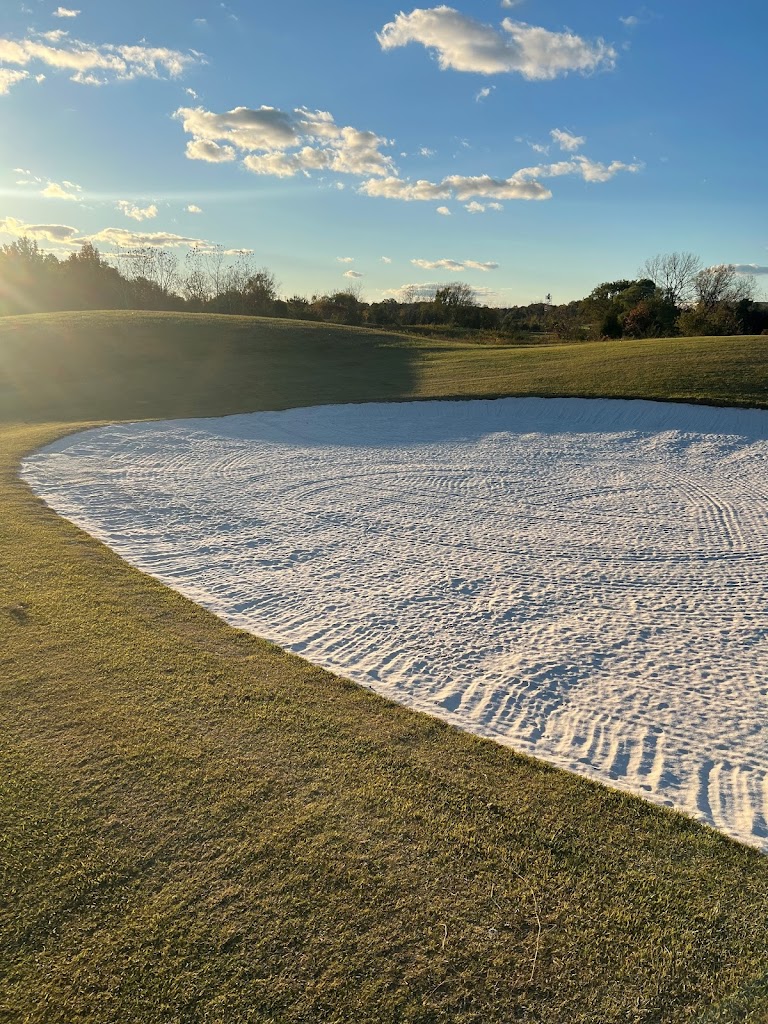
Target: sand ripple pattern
x=586, y=581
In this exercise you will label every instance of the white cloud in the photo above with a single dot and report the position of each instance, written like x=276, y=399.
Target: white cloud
x=454, y=187
x=125, y=239
x=464, y=44
x=425, y=292
x=749, y=268
x=438, y=264
x=475, y=207
x=474, y=265
x=511, y=3
x=278, y=165
x=425, y=151
x=245, y=129
x=66, y=235
x=283, y=143
x=523, y=184
x=416, y=292
x=345, y=259
x=582, y=166
x=193, y=209
x=455, y=265
x=631, y=21
x=385, y=259
x=444, y=211
x=484, y=93
x=9, y=78
x=359, y=154
x=56, y=233
x=352, y=273
x=567, y=141
x=136, y=212
x=54, y=36
x=200, y=22
x=53, y=190
x=65, y=12
x=211, y=152
x=395, y=188
x=96, y=65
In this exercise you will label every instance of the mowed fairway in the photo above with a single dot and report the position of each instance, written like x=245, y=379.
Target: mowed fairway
x=200, y=827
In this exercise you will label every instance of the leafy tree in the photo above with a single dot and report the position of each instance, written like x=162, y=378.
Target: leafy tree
x=606, y=305
x=384, y=313
x=651, y=317
x=297, y=307
x=27, y=278
x=699, y=321
x=87, y=281
x=339, y=308
x=260, y=291
x=610, y=326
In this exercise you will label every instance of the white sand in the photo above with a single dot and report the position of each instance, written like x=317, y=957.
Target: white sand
x=582, y=580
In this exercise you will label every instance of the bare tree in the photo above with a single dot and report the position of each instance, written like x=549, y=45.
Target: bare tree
x=722, y=284
x=195, y=284
x=455, y=294
x=673, y=274
x=165, y=270
x=215, y=264
x=240, y=272
x=137, y=263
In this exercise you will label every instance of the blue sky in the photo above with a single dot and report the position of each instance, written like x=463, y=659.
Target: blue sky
x=525, y=147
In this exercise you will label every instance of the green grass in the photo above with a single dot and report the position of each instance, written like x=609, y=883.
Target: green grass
x=198, y=827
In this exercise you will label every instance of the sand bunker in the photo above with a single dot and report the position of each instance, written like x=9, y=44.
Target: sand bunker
x=582, y=580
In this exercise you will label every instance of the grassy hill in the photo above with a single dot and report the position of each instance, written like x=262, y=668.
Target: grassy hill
x=198, y=827
x=85, y=366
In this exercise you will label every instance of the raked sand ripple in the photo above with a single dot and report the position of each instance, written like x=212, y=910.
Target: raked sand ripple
x=586, y=581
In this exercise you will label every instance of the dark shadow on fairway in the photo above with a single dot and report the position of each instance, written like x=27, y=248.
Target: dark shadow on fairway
x=92, y=366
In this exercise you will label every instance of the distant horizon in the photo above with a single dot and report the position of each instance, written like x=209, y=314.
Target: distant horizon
x=520, y=147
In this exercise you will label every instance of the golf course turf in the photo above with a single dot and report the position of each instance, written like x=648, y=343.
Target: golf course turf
x=199, y=827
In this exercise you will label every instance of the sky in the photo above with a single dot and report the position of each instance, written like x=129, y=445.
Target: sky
x=524, y=147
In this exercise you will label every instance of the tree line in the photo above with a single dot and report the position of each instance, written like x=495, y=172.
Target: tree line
x=674, y=294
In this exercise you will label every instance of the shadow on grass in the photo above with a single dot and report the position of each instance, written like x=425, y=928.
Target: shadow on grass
x=93, y=366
